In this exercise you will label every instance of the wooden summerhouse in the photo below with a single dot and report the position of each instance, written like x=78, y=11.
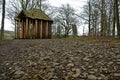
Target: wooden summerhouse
x=32, y=24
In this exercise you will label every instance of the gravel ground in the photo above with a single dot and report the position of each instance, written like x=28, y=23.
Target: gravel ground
x=59, y=59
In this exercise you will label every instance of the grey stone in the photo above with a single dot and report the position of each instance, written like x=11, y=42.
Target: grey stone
x=117, y=74
x=17, y=76
x=70, y=65
x=118, y=56
x=19, y=72
x=86, y=59
x=92, y=77
x=77, y=73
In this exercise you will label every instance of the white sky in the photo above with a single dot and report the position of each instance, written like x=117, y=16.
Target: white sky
x=76, y=4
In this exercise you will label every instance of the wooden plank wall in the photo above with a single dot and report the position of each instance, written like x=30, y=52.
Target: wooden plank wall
x=46, y=29
x=49, y=30
x=28, y=28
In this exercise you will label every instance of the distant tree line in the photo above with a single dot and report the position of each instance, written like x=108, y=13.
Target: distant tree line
x=102, y=17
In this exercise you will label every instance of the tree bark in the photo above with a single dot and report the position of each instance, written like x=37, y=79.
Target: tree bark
x=3, y=19
x=89, y=27
x=102, y=17
x=117, y=18
x=114, y=12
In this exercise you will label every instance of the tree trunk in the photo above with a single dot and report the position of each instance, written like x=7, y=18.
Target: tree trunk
x=3, y=18
x=102, y=17
x=89, y=27
x=114, y=12
x=117, y=18
x=40, y=4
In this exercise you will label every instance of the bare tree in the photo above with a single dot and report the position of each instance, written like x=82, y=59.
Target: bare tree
x=91, y=16
x=17, y=5
x=3, y=18
x=65, y=17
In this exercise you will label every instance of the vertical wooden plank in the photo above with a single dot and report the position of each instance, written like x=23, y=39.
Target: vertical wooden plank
x=26, y=31
x=15, y=29
x=22, y=29
x=33, y=29
x=24, y=23
x=47, y=29
x=19, y=29
x=36, y=27
x=50, y=32
x=29, y=22
x=30, y=26
x=41, y=23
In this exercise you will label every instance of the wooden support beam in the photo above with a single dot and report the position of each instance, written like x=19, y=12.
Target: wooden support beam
x=15, y=29
x=36, y=27
x=26, y=31
x=33, y=29
x=29, y=28
x=22, y=32
x=50, y=32
x=47, y=29
x=19, y=29
x=41, y=24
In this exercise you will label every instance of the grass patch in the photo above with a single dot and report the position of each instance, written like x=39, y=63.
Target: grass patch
x=115, y=42
x=72, y=38
x=94, y=39
x=4, y=42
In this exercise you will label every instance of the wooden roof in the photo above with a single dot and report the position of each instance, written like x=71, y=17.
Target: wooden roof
x=34, y=14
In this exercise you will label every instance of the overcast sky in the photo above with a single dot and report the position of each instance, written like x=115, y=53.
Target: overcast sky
x=76, y=4
x=73, y=3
